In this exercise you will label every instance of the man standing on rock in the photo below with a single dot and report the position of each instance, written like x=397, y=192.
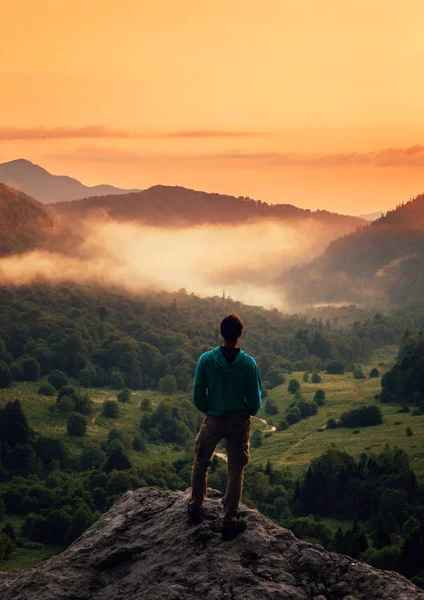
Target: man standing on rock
x=227, y=388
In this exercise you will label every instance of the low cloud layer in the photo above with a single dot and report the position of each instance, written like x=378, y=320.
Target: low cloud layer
x=100, y=131
x=244, y=261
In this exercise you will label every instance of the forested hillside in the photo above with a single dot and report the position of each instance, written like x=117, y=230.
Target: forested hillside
x=104, y=337
x=378, y=264
x=26, y=224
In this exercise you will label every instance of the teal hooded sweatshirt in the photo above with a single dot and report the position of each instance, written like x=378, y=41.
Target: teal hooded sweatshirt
x=221, y=387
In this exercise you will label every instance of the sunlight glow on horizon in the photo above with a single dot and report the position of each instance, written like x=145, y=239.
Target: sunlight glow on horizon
x=291, y=102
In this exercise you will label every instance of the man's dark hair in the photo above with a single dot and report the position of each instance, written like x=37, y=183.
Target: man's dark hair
x=231, y=327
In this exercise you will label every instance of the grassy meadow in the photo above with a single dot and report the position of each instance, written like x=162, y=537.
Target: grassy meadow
x=297, y=446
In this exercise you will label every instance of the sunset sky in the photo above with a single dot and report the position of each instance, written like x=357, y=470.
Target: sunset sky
x=317, y=103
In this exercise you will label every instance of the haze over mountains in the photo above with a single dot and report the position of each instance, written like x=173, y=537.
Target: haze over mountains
x=174, y=237
x=381, y=263
x=45, y=187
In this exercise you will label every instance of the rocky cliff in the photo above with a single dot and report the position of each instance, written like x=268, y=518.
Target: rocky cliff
x=143, y=548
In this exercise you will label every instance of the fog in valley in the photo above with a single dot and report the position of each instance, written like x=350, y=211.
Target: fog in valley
x=243, y=261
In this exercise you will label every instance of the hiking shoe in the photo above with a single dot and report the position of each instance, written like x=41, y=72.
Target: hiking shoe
x=195, y=514
x=230, y=529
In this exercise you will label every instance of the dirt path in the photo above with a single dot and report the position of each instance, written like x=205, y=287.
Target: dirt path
x=95, y=416
x=304, y=439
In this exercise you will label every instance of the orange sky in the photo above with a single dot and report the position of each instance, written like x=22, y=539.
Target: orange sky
x=314, y=102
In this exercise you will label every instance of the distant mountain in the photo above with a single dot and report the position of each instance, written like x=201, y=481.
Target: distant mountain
x=372, y=216
x=45, y=187
x=26, y=224
x=382, y=262
x=177, y=206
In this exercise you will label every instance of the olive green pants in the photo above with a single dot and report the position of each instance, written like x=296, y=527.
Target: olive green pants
x=236, y=431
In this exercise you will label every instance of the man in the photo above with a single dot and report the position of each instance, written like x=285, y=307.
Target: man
x=227, y=388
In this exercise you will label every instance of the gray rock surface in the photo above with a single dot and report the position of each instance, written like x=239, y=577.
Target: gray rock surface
x=144, y=549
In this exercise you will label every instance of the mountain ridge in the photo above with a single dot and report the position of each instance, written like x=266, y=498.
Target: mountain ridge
x=144, y=548
x=177, y=205
x=39, y=183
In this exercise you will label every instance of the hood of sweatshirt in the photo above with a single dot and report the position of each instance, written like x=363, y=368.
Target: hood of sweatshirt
x=222, y=363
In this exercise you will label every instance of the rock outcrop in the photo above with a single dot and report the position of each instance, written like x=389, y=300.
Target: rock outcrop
x=144, y=549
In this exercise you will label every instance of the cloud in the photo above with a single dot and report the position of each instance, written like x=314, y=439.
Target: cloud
x=388, y=157
x=100, y=131
x=213, y=133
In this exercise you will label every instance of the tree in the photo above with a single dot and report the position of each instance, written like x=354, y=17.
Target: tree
x=65, y=405
x=331, y=423
x=167, y=384
x=117, y=381
x=374, y=373
x=305, y=377
x=319, y=397
x=57, y=379
x=46, y=389
x=336, y=367
x=256, y=439
x=271, y=407
x=362, y=417
x=110, y=409
x=274, y=377
x=77, y=424
x=124, y=396
x=14, y=428
x=117, y=460
x=409, y=432
x=316, y=378
x=293, y=415
x=80, y=522
x=282, y=425
x=92, y=457
x=5, y=375
x=139, y=443
x=146, y=404
x=293, y=386
x=358, y=374
x=6, y=546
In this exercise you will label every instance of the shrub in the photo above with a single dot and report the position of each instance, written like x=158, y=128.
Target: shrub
x=409, y=432
x=319, y=397
x=336, y=367
x=374, y=373
x=293, y=415
x=273, y=378
x=282, y=425
x=146, y=404
x=294, y=386
x=110, y=409
x=65, y=405
x=362, y=417
x=316, y=378
x=77, y=424
x=124, y=396
x=46, y=389
x=358, y=374
x=271, y=407
x=305, y=377
x=57, y=379
x=167, y=384
x=256, y=439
